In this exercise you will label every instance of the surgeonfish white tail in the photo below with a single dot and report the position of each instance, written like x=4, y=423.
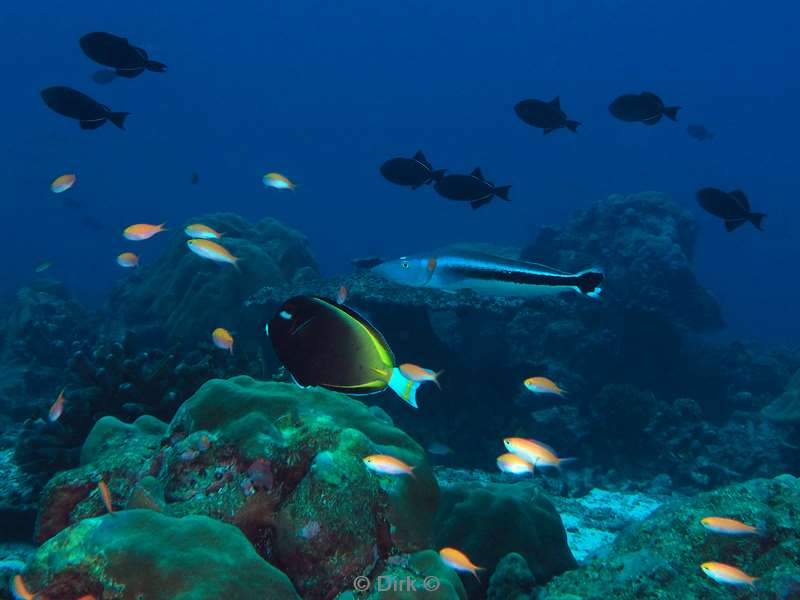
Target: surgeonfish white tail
x=488, y=275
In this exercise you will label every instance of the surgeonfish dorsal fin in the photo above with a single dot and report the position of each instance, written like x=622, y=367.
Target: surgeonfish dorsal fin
x=556, y=102
x=476, y=172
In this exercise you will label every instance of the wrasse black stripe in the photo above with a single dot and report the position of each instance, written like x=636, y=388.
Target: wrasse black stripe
x=520, y=277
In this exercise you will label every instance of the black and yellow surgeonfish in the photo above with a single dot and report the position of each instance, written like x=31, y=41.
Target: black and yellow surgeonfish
x=322, y=343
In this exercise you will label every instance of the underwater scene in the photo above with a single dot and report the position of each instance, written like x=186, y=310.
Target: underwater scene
x=400, y=300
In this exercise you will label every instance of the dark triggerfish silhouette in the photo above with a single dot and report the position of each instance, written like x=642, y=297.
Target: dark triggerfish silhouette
x=472, y=188
x=645, y=108
x=545, y=115
x=413, y=172
x=77, y=105
x=733, y=207
x=113, y=51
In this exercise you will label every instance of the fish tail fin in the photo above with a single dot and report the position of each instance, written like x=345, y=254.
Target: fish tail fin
x=437, y=175
x=563, y=461
x=157, y=67
x=475, y=204
x=161, y=226
x=752, y=582
x=734, y=224
x=756, y=219
x=572, y=125
x=411, y=472
x=502, y=192
x=589, y=282
x=403, y=387
x=436, y=378
x=475, y=572
x=235, y=263
x=118, y=118
x=672, y=112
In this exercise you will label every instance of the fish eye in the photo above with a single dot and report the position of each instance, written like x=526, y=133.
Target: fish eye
x=404, y=264
x=285, y=315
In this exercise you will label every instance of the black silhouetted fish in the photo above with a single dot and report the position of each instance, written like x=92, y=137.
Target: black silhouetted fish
x=368, y=262
x=77, y=105
x=733, y=207
x=113, y=51
x=89, y=222
x=322, y=343
x=700, y=133
x=545, y=115
x=413, y=172
x=472, y=188
x=645, y=108
x=104, y=76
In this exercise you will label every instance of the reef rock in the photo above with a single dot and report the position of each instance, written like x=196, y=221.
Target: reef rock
x=786, y=408
x=189, y=297
x=137, y=554
x=281, y=463
x=661, y=556
x=489, y=521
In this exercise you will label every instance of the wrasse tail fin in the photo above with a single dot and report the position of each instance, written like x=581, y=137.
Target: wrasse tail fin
x=589, y=282
x=502, y=192
x=565, y=461
x=118, y=118
x=155, y=66
x=734, y=224
x=672, y=112
x=411, y=472
x=756, y=219
x=572, y=125
x=436, y=378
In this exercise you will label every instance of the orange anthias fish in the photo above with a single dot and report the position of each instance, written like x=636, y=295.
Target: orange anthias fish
x=212, y=251
x=57, y=409
x=536, y=453
x=728, y=526
x=203, y=232
x=341, y=295
x=513, y=464
x=142, y=231
x=278, y=181
x=542, y=385
x=222, y=339
x=128, y=260
x=62, y=184
x=388, y=465
x=417, y=373
x=105, y=494
x=20, y=590
x=722, y=573
x=459, y=561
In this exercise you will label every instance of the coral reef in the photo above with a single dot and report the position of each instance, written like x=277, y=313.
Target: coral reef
x=494, y=519
x=512, y=580
x=281, y=463
x=142, y=554
x=661, y=556
x=786, y=407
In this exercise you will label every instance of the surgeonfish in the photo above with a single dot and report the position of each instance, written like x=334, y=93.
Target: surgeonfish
x=200, y=231
x=547, y=116
x=455, y=559
x=77, y=105
x=412, y=172
x=722, y=573
x=473, y=188
x=536, y=453
x=57, y=409
x=62, y=183
x=487, y=275
x=114, y=51
x=645, y=108
x=732, y=207
x=322, y=343
x=542, y=385
x=212, y=251
x=142, y=231
x=728, y=526
x=388, y=465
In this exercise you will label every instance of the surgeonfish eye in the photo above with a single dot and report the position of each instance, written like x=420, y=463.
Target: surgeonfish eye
x=285, y=315
x=404, y=264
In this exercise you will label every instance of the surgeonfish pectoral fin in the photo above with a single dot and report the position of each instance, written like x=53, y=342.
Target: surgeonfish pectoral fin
x=403, y=387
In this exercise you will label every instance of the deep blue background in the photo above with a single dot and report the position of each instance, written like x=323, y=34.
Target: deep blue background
x=324, y=92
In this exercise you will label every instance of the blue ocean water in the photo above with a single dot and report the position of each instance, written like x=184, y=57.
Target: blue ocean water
x=325, y=92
